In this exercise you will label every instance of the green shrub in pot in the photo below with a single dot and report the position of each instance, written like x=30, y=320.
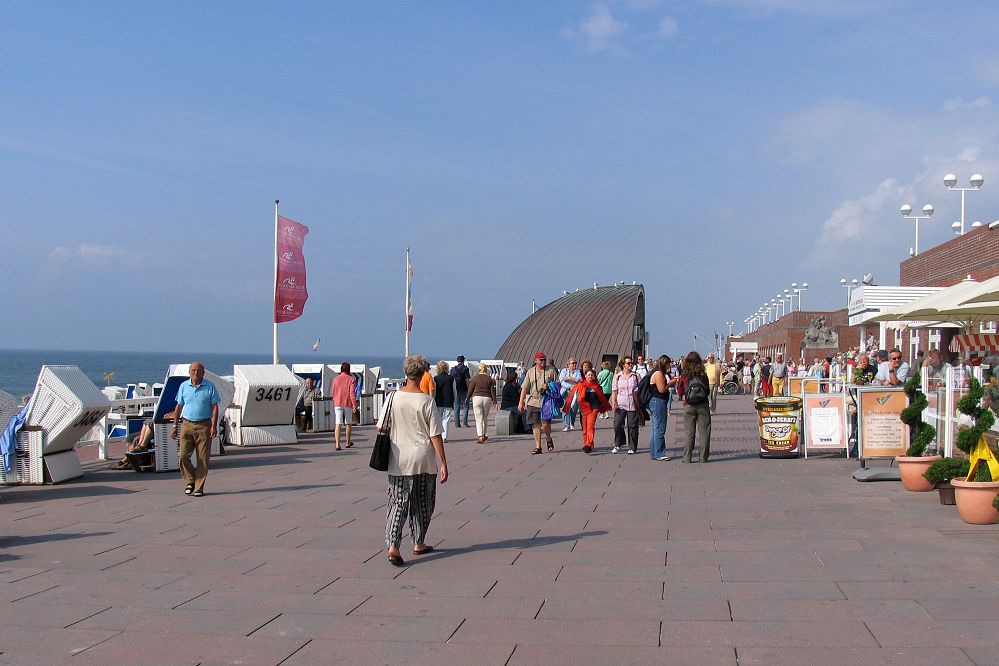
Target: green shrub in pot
x=945, y=469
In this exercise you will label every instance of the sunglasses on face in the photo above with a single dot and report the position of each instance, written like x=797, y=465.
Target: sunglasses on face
x=628, y=363
x=896, y=358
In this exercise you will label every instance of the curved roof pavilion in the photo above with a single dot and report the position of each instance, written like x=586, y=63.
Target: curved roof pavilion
x=599, y=323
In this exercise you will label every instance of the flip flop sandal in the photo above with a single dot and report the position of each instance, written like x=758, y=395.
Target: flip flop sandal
x=551, y=446
x=536, y=451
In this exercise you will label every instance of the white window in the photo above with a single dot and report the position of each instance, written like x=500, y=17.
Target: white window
x=934, y=338
x=988, y=327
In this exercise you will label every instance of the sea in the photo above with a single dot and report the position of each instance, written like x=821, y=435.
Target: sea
x=19, y=368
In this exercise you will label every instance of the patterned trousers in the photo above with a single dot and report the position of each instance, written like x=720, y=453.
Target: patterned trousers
x=412, y=496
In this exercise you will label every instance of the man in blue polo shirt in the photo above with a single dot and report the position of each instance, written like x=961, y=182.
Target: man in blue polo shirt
x=199, y=410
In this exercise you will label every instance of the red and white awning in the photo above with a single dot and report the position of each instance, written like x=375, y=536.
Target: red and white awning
x=975, y=342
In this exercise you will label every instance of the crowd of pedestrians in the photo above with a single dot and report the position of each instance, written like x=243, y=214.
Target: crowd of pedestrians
x=634, y=393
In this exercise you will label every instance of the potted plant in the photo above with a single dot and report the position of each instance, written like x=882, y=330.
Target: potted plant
x=977, y=496
x=914, y=464
x=942, y=471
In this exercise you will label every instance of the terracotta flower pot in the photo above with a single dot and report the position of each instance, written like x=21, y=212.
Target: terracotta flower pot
x=974, y=501
x=911, y=470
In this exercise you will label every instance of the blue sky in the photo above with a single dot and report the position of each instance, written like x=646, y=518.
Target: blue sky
x=715, y=151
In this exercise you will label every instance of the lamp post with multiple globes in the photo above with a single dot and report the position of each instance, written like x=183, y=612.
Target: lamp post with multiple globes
x=950, y=182
x=906, y=211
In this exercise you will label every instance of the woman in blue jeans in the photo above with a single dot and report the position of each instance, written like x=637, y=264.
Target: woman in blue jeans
x=660, y=384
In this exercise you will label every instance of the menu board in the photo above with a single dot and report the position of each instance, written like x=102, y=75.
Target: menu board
x=882, y=433
x=825, y=421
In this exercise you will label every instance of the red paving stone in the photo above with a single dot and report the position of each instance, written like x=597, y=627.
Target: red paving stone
x=560, y=558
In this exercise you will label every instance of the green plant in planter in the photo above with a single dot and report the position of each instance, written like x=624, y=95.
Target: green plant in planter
x=945, y=469
x=970, y=404
x=968, y=438
x=922, y=432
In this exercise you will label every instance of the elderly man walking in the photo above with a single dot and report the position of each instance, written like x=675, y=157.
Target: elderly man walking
x=198, y=408
x=778, y=375
x=714, y=372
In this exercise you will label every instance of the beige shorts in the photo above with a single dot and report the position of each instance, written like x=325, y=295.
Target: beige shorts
x=344, y=415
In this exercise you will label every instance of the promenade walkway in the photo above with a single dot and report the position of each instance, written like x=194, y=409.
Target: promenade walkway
x=560, y=558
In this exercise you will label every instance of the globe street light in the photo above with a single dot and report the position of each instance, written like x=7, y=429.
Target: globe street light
x=803, y=287
x=850, y=286
x=730, y=324
x=906, y=211
x=788, y=296
x=950, y=180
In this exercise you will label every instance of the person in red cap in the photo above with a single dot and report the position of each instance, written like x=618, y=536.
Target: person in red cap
x=535, y=382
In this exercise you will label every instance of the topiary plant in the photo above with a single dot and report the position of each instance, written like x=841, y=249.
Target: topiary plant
x=970, y=404
x=922, y=432
x=945, y=469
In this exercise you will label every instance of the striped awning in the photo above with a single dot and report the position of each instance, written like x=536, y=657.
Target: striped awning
x=975, y=342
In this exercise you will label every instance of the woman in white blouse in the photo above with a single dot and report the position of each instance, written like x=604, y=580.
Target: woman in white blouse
x=416, y=457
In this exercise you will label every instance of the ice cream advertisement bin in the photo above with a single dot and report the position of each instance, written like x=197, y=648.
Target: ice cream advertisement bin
x=780, y=426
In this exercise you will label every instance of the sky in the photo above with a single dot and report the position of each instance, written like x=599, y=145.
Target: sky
x=715, y=151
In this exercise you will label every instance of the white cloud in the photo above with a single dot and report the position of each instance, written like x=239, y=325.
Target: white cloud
x=95, y=255
x=884, y=157
x=958, y=104
x=668, y=28
x=856, y=221
x=49, y=152
x=600, y=29
x=810, y=7
x=642, y=5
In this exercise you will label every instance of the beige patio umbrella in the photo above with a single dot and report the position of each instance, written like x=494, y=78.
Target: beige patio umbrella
x=929, y=307
x=986, y=291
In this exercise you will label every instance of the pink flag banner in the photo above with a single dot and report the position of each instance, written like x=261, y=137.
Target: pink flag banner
x=290, y=292
x=409, y=297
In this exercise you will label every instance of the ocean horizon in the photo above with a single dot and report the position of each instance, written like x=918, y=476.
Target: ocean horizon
x=19, y=368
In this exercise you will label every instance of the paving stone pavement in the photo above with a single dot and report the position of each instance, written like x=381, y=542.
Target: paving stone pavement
x=557, y=558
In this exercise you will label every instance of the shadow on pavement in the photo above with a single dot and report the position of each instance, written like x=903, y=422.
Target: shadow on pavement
x=512, y=544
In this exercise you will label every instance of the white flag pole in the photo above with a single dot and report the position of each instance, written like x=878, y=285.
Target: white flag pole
x=276, y=202
x=407, y=306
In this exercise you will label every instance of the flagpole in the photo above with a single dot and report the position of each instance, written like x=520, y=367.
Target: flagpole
x=408, y=305
x=276, y=202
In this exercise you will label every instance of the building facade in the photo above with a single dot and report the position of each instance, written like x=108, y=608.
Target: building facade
x=975, y=254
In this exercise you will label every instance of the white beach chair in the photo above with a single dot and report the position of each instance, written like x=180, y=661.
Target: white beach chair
x=65, y=406
x=264, y=409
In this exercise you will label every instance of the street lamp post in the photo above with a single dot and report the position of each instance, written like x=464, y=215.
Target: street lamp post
x=730, y=324
x=950, y=181
x=850, y=286
x=803, y=287
x=906, y=211
x=773, y=304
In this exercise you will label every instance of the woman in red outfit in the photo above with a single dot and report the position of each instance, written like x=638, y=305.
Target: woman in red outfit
x=592, y=402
